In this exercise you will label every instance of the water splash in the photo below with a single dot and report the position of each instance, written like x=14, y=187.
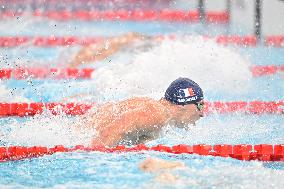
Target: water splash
x=47, y=130
x=214, y=67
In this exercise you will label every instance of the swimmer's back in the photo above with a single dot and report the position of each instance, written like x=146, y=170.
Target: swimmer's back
x=115, y=121
x=143, y=106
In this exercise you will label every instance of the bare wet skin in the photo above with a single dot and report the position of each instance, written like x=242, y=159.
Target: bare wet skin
x=162, y=169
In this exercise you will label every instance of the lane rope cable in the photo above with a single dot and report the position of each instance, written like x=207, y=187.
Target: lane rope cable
x=167, y=15
x=245, y=152
x=52, y=41
x=86, y=73
x=31, y=109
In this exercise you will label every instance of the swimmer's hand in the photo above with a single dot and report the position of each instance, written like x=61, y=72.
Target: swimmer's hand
x=95, y=52
x=154, y=165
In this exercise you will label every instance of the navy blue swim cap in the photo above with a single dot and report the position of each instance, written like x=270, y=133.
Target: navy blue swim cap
x=183, y=91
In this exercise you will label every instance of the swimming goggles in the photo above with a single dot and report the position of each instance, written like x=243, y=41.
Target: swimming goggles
x=199, y=105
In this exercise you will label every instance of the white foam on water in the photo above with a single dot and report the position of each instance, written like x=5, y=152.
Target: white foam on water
x=212, y=66
x=47, y=130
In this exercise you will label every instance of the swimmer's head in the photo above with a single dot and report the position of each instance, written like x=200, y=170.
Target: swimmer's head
x=188, y=97
x=184, y=91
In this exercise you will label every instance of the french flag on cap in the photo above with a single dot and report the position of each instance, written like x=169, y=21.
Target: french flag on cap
x=187, y=92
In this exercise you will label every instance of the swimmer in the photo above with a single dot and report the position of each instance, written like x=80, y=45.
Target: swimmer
x=138, y=120
x=103, y=49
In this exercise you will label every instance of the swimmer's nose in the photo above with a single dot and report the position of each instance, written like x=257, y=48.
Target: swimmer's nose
x=201, y=114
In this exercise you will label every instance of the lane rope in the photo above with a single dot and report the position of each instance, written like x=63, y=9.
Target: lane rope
x=274, y=41
x=53, y=41
x=31, y=109
x=167, y=15
x=268, y=70
x=46, y=73
x=86, y=73
x=245, y=152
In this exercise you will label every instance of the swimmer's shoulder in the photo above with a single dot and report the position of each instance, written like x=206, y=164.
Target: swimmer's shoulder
x=145, y=101
x=150, y=106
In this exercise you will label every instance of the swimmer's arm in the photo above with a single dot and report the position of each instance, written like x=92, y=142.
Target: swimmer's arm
x=95, y=52
x=104, y=49
x=112, y=137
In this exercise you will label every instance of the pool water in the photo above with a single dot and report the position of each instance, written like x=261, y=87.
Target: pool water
x=223, y=72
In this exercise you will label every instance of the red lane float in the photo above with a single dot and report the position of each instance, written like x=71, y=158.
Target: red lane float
x=86, y=73
x=43, y=73
x=245, y=152
x=126, y=15
x=26, y=109
x=53, y=41
x=237, y=40
x=253, y=107
x=274, y=41
x=49, y=41
x=268, y=70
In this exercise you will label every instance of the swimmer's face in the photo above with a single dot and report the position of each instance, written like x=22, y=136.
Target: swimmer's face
x=189, y=114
